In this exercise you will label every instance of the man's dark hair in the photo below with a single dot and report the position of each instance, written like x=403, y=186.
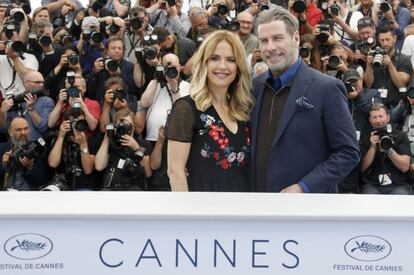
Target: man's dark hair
x=377, y=107
x=385, y=29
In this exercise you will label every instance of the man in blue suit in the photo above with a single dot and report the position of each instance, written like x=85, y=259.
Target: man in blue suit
x=303, y=138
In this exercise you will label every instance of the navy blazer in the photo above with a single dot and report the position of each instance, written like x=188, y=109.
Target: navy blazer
x=316, y=143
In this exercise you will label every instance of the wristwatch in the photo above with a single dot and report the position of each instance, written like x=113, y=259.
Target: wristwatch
x=85, y=150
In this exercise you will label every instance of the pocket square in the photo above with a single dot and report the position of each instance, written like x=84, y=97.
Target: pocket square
x=303, y=104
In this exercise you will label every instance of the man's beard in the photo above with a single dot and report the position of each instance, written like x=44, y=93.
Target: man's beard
x=278, y=69
x=17, y=143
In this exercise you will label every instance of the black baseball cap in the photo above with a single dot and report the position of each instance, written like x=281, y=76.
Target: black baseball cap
x=351, y=74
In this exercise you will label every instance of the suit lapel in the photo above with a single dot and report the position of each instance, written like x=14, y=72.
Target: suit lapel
x=300, y=85
x=258, y=88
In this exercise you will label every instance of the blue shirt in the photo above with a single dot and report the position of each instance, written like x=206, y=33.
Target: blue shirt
x=43, y=106
x=283, y=80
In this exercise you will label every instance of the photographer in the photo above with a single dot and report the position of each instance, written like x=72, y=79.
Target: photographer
x=62, y=11
x=366, y=41
x=171, y=18
x=390, y=14
x=115, y=65
x=69, y=62
x=15, y=63
x=386, y=157
x=199, y=19
x=18, y=171
x=91, y=43
x=125, y=161
x=116, y=7
x=33, y=105
x=182, y=47
x=345, y=21
x=73, y=153
x=41, y=45
x=75, y=94
x=161, y=93
x=116, y=98
x=387, y=69
x=307, y=13
x=137, y=28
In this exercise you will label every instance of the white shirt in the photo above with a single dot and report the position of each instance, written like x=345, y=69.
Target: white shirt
x=353, y=23
x=160, y=108
x=6, y=75
x=408, y=48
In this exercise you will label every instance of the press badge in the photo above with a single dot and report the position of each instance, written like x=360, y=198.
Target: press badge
x=383, y=92
x=121, y=164
x=384, y=179
x=358, y=135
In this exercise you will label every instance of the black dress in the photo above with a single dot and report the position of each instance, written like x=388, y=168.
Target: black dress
x=218, y=158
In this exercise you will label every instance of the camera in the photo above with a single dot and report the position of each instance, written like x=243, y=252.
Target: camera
x=222, y=9
x=76, y=109
x=378, y=55
x=171, y=71
x=98, y=4
x=73, y=59
x=114, y=28
x=171, y=2
x=349, y=86
x=73, y=91
x=9, y=28
x=31, y=150
x=159, y=73
x=17, y=15
x=325, y=31
x=150, y=53
x=135, y=23
x=58, y=183
x=365, y=46
x=45, y=40
x=111, y=65
x=17, y=46
x=299, y=6
x=230, y=25
x=304, y=52
x=139, y=53
x=18, y=99
x=94, y=36
x=334, y=61
x=115, y=132
x=335, y=9
x=80, y=125
x=119, y=94
x=385, y=6
x=386, y=140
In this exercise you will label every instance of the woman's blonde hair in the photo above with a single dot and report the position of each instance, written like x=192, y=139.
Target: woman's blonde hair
x=239, y=93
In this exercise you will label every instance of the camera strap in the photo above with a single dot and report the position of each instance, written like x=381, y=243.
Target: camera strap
x=347, y=20
x=14, y=76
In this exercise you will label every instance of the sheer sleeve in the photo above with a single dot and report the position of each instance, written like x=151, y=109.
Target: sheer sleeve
x=181, y=121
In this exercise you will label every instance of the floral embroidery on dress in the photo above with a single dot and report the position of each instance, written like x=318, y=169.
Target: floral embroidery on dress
x=228, y=156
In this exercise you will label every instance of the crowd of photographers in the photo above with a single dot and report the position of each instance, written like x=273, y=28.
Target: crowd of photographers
x=86, y=91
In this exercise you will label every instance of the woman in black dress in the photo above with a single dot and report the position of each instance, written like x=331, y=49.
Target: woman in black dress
x=208, y=132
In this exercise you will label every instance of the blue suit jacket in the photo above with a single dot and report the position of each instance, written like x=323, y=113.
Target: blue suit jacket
x=316, y=144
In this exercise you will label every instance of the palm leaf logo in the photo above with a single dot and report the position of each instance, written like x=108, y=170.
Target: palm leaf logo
x=27, y=246
x=367, y=247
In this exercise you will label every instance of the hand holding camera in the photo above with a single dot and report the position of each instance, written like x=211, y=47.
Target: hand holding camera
x=30, y=100
x=63, y=96
x=98, y=65
x=7, y=104
x=130, y=142
x=64, y=128
x=109, y=97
